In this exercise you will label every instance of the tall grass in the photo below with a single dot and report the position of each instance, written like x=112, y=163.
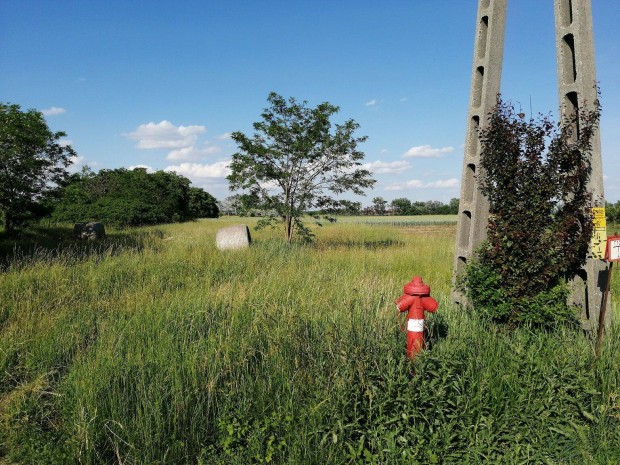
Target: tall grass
x=401, y=221
x=153, y=347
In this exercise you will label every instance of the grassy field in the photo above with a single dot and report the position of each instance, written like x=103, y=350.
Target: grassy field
x=153, y=347
x=400, y=221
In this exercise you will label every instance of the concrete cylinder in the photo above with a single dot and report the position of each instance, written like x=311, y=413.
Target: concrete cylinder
x=233, y=237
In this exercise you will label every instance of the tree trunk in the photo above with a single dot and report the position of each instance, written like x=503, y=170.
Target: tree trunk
x=288, y=224
x=8, y=222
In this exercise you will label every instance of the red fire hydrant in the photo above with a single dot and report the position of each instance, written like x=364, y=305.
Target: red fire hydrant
x=416, y=300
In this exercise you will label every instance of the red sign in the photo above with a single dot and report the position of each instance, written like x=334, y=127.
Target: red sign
x=613, y=249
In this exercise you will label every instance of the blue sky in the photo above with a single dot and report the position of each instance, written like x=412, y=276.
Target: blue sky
x=161, y=84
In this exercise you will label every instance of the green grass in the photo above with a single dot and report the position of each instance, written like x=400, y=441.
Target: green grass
x=153, y=347
x=400, y=221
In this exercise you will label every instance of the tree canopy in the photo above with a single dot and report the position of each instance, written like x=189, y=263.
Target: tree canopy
x=132, y=197
x=403, y=206
x=379, y=205
x=613, y=212
x=202, y=204
x=297, y=161
x=32, y=162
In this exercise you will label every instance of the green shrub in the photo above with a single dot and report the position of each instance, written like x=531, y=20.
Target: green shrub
x=488, y=296
x=535, y=175
x=124, y=197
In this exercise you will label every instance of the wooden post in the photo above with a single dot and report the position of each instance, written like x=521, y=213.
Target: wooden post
x=601, y=319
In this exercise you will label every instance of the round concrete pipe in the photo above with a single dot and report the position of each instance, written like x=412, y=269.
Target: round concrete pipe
x=233, y=237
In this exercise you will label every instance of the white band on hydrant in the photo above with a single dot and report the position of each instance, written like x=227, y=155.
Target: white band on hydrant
x=416, y=326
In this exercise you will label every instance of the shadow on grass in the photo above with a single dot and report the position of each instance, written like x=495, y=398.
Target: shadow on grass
x=45, y=243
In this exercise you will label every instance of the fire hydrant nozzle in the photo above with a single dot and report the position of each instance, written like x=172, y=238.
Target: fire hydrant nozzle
x=416, y=300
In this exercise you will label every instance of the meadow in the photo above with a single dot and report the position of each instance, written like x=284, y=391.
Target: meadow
x=153, y=347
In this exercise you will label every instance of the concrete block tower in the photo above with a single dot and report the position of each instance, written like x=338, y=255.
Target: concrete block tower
x=576, y=84
x=485, y=85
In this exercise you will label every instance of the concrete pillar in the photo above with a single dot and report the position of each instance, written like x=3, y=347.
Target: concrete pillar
x=485, y=85
x=576, y=86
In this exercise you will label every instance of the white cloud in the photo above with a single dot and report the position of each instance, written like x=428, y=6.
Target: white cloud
x=418, y=184
x=192, y=153
x=426, y=151
x=443, y=184
x=165, y=135
x=225, y=136
x=415, y=184
x=218, y=169
x=383, y=167
x=148, y=168
x=78, y=162
x=371, y=103
x=51, y=111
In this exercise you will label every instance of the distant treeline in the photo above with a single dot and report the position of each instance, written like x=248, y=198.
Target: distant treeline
x=243, y=205
x=405, y=207
x=125, y=197
x=612, y=211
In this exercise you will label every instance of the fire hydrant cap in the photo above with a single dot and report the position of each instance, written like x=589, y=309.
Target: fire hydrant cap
x=417, y=287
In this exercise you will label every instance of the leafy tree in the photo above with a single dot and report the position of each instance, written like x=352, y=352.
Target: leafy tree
x=418, y=208
x=350, y=208
x=434, y=207
x=453, y=207
x=613, y=212
x=535, y=175
x=32, y=162
x=401, y=206
x=297, y=161
x=129, y=198
x=202, y=204
x=379, y=204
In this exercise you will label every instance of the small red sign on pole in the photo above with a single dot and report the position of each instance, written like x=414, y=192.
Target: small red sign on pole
x=612, y=254
x=613, y=249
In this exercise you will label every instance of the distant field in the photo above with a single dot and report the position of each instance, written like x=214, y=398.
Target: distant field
x=153, y=347
x=400, y=220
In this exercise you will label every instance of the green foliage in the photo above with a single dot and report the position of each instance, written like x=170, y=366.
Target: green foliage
x=202, y=204
x=403, y=206
x=296, y=162
x=613, y=212
x=124, y=197
x=535, y=175
x=172, y=352
x=33, y=163
x=484, y=287
x=379, y=205
x=350, y=208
